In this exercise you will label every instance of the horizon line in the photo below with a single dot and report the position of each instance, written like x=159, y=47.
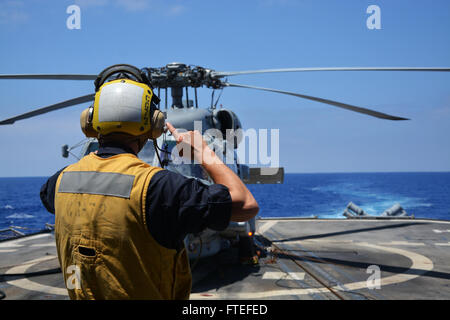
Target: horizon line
x=318, y=172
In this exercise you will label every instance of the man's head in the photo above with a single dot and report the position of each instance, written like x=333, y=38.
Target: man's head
x=125, y=109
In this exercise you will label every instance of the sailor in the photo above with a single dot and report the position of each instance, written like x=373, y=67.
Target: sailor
x=120, y=222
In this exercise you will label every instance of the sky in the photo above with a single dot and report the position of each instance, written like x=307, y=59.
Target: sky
x=242, y=35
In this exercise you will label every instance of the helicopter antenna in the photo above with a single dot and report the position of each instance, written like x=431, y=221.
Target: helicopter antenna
x=212, y=99
x=218, y=98
x=196, y=100
x=187, y=97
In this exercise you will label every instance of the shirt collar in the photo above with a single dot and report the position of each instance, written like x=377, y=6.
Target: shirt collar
x=112, y=148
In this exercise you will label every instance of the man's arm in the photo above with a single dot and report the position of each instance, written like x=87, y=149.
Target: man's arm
x=177, y=205
x=47, y=193
x=244, y=205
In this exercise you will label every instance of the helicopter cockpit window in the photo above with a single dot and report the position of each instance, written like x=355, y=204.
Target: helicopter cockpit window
x=91, y=147
x=186, y=169
x=147, y=154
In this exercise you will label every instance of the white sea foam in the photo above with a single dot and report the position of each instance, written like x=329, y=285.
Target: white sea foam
x=8, y=207
x=371, y=201
x=20, y=216
x=428, y=205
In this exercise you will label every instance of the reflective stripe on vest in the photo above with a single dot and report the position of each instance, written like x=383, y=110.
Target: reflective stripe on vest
x=102, y=183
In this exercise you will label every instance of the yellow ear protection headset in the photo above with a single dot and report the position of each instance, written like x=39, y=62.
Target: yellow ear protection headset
x=124, y=103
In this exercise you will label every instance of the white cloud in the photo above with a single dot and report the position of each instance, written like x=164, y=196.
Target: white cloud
x=175, y=10
x=129, y=5
x=278, y=3
x=91, y=3
x=13, y=12
x=133, y=5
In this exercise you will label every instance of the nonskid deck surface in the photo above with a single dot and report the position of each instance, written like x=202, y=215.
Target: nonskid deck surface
x=301, y=259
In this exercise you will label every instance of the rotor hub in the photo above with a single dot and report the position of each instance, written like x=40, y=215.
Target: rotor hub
x=179, y=75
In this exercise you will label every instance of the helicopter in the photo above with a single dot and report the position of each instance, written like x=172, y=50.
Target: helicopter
x=220, y=127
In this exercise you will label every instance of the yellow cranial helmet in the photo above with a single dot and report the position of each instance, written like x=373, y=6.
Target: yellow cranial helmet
x=123, y=106
x=124, y=103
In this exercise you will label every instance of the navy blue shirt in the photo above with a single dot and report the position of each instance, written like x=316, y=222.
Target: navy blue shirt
x=175, y=206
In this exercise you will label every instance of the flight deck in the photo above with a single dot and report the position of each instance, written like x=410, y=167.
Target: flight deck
x=299, y=259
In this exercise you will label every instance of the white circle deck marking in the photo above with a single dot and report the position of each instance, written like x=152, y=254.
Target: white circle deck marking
x=276, y=275
x=31, y=285
x=13, y=245
x=419, y=262
x=266, y=226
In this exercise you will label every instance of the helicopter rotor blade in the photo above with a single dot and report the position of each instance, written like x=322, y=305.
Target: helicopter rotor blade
x=235, y=73
x=372, y=113
x=57, y=106
x=49, y=76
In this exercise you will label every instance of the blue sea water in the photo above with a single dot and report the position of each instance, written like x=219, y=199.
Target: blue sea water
x=426, y=195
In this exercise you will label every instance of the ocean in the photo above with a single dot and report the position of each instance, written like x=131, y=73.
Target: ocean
x=325, y=195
